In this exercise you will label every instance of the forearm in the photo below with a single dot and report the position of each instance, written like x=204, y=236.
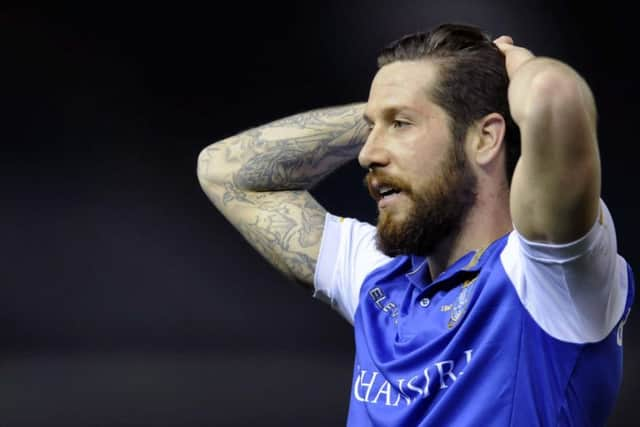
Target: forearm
x=289, y=154
x=258, y=178
x=556, y=184
x=541, y=88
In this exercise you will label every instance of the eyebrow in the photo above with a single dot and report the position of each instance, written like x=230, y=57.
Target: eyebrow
x=389, y=111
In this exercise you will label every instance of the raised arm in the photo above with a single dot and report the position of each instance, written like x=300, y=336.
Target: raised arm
x=258, y=180
x=556, y=184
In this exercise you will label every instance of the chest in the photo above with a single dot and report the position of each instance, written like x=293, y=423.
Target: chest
x=404, y=310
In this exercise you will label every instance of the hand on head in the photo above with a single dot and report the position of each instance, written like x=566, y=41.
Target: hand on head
x=515, y=55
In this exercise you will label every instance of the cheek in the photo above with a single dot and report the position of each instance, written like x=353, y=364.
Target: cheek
x=419, y=165
x=426, y=144
x=429, y=152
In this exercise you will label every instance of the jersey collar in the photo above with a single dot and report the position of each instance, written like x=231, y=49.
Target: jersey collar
x=469, y=264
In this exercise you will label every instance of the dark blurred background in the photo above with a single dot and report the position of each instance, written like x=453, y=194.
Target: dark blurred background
x=125, y=298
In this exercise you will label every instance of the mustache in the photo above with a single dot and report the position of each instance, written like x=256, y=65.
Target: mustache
x=384, y=180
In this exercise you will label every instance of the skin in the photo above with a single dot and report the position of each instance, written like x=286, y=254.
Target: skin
x=556, y=184
x=409, y=140
x=407, y=133
x=259, y=179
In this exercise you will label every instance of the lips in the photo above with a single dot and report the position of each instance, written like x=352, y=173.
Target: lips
x=387, y=190
x=381, y=188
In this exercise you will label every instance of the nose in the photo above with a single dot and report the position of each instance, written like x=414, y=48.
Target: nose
x=373, y=153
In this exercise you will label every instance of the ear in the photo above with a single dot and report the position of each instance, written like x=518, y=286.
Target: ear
x=487, y=143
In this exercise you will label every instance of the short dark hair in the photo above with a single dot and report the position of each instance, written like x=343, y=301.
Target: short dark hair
x=472, y=77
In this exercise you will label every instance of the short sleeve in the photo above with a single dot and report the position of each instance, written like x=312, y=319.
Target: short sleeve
x=576, y=292
x=348, y=253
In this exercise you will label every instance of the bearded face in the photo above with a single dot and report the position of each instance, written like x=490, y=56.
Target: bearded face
x=432, y=210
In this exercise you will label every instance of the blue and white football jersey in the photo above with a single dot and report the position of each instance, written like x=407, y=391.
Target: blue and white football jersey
x=518, y=334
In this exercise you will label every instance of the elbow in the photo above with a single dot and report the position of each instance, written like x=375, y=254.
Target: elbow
x=202, y=166
x=210, y=173
x=546, y=88
x=558, y=90
x=210, y=167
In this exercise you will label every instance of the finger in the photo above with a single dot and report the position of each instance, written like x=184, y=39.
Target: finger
x=505, y=47
x=515, y=57
x=503, y=40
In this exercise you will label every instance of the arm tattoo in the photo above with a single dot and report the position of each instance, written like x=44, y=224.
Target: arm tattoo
x=323, y=140
x=283, y=228
x=312, y=224
x=259, y=178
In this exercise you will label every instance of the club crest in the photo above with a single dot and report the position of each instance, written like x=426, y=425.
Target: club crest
x=459, y=307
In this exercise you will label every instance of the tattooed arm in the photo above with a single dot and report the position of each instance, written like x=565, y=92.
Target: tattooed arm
x=258, y=180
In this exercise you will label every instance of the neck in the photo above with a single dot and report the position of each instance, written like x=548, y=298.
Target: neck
x=487, y=221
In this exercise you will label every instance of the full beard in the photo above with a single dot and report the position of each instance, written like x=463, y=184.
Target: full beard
x=436, y=211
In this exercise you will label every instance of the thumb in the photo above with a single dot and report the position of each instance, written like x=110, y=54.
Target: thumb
x=503, y=40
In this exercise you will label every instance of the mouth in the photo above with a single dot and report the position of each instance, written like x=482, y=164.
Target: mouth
x=384, y=190
x=388, y=198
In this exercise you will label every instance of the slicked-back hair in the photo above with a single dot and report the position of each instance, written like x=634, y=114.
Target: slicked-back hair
x=472, y=78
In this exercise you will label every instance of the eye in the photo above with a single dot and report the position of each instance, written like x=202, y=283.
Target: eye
x=400, y=123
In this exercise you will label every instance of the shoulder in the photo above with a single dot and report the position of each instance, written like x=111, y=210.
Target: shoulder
x=575, y=291
x=348, y=254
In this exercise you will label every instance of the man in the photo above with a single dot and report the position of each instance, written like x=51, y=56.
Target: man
x=491, y=292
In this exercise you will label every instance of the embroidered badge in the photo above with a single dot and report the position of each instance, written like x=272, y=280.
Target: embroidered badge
x=459, y=307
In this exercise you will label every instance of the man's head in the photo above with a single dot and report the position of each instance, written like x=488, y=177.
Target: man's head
x=432, y=91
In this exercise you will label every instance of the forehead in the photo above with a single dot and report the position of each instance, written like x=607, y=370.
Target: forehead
x=403, y=84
